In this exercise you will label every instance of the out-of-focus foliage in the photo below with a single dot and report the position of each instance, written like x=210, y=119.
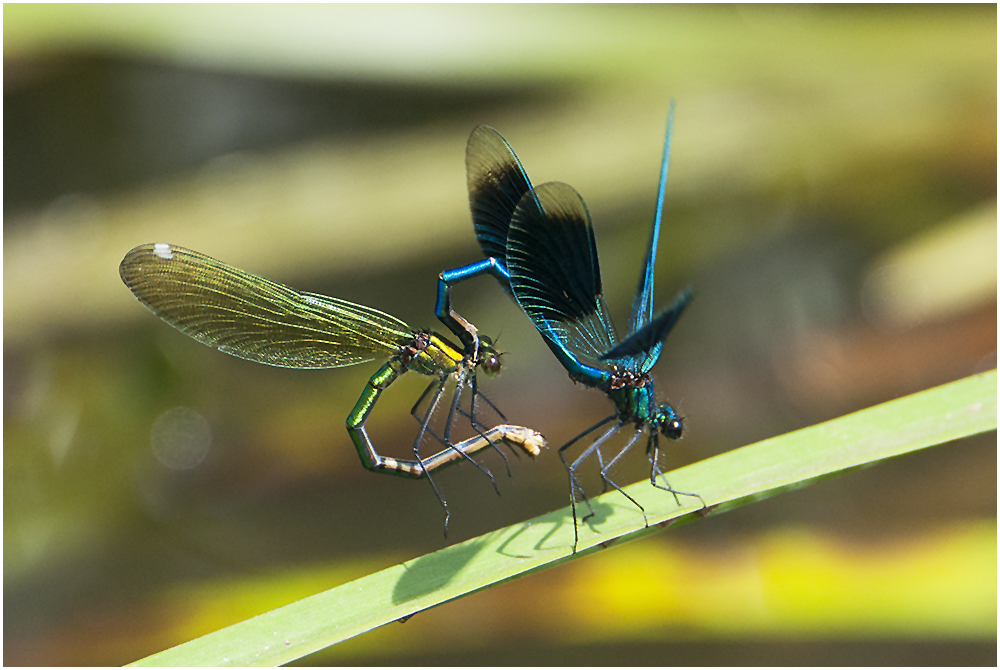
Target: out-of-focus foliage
x=822, y=156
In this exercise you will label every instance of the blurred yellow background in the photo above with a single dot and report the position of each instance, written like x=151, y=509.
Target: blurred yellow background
x=832, y=199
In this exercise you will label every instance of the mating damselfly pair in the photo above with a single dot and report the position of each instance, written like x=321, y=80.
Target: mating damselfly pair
x=538, y=242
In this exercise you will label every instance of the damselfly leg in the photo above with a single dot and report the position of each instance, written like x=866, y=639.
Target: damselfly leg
x=653, y=452
x=425, y=428
x=607, y=480
x=575, y=488
x=455, y=410
x=419, y=467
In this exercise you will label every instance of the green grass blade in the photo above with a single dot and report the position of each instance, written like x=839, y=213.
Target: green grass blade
x=757, y=471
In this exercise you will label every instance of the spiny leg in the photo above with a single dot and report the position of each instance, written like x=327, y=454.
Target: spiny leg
x=611, y=463
x=424, y=420
x=455, y=407
x=574, y=486
x=424, y=428
x=416, y=451
x=456, y=398
x=375, y=462
x=594, y=446
x=446, y=440
x=604, y=480
x=461, y=379
x=475, y=422
x=653, y=451
x=472, y=405
x=370, y=458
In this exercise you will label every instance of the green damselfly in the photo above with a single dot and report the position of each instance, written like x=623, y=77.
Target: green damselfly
x=250, y=317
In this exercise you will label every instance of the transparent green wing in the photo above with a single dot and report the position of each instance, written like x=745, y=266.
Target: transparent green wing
x=253, y=318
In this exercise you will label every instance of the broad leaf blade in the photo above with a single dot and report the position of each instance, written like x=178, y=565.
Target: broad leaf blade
x=754, y=472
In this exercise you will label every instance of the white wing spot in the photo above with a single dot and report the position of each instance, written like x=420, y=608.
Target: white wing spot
x=163, y=251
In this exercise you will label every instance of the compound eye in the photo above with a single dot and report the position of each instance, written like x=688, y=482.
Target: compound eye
x=673, y=429
x=491, y=364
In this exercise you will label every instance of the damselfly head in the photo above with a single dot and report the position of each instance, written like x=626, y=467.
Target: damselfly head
x=491, y=364
x=671, y=425
x=489, y=358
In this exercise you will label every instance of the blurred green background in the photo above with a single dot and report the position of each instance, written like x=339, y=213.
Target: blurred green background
x=832, y=199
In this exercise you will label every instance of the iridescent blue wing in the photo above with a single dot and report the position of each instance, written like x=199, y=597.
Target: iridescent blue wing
x=496, y=184
x=642, y=347
x=642, y=304
x=248, y=316
x=554, y=271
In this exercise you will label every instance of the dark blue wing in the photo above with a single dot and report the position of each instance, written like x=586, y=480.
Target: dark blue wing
x=554, y=271
x=496, y=184
x=642, y=348
x=642, y=304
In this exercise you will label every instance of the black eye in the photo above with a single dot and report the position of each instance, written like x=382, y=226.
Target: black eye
x=673, y=429
x=491, y=364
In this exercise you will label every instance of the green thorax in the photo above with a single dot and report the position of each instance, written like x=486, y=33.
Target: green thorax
x=635, y=403
x=431, y=354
